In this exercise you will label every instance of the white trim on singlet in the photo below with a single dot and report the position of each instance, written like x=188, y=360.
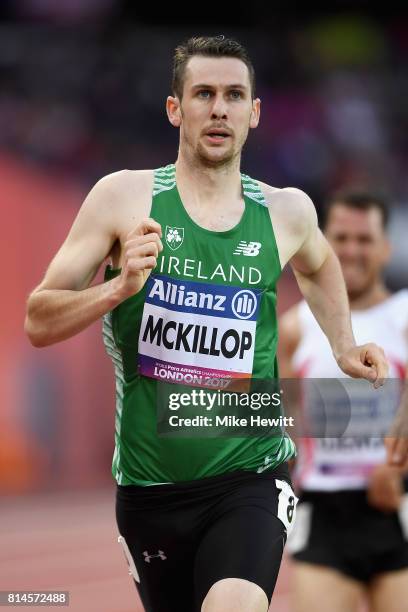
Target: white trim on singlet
x=116, y=356
x=252, y=190
x=165, y=180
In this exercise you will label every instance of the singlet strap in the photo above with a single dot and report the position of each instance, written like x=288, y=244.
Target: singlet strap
x=164, y=179
x=252, y=190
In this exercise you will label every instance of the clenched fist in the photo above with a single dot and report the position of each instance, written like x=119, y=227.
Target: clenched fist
x=140, y=252
x=367, y=361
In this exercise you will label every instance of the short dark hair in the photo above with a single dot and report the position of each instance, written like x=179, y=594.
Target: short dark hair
x=361, y=200
x=208, y=46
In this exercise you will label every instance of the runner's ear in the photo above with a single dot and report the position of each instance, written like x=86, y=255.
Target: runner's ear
x=255, y=112
x=173, y=111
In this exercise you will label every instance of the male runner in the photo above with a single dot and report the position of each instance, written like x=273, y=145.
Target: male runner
x=196, y=249
x=351, y=536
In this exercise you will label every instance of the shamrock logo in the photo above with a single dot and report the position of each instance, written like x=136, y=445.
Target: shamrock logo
x=174, y=237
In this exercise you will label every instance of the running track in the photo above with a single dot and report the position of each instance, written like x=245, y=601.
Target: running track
x=68, y=542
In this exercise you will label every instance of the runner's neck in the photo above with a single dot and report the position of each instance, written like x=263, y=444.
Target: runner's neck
x=375, y=295
x=208, y=187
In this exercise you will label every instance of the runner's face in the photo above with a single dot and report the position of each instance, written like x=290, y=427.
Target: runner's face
x=361, y=245
x=217, y=109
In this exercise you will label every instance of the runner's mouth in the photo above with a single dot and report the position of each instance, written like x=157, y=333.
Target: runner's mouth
x=217, y=135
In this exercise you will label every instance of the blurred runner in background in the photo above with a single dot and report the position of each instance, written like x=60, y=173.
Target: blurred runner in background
x=351, y=535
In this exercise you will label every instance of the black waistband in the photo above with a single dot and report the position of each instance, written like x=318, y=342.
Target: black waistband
x=211, y=482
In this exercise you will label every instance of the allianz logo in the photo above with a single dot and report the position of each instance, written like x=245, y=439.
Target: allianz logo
x=243, y=304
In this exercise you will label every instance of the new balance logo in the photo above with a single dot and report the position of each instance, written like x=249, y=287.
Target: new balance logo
x=250, y=249
x=160, y=555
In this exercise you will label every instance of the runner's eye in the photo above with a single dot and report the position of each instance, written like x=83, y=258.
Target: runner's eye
x=204, y=93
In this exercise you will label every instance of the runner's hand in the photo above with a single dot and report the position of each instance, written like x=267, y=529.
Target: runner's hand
x=140, y=252
x=367, y=361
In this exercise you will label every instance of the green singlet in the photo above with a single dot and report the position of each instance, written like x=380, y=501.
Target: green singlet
x=207, y=312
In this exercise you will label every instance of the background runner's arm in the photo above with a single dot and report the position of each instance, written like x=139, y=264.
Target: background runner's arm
x=321, y=282
x=289, y=339
x=386, y=489
x=64, y=304
x=396, y=442
x=290, y=335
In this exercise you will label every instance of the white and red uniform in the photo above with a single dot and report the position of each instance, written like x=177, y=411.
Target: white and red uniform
x=333, y=464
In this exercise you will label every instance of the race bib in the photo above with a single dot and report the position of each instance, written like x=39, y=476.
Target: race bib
x=193, y=333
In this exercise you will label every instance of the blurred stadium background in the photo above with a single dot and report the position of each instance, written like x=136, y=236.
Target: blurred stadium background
x=82, y=91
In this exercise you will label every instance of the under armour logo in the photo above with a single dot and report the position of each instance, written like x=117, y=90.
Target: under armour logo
x=160, y=555
x=250, y=249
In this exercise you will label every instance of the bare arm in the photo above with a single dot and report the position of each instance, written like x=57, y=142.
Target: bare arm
x=320, y=279
x=64, y=304
x=316, y=267
x=321, y=282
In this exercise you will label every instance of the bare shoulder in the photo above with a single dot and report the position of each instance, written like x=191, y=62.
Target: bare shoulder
x=126, y=178
x=293, y=216
x=121, y=199
x=290, y=204
x=124, y=185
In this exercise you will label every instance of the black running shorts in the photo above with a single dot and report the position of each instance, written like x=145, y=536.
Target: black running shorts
x=180, y=539
x=342, y=531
